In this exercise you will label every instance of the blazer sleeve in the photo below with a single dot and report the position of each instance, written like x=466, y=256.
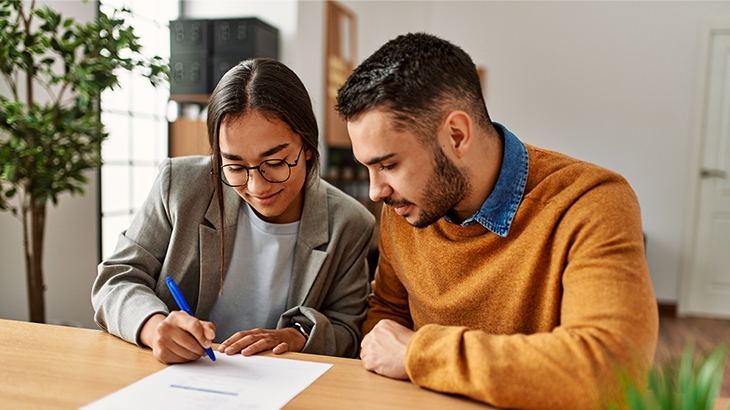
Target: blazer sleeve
x=335, y=308
x=336, y=324
x=123, y=294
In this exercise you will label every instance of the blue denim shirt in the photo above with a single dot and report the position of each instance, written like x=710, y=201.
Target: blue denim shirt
x=498, y=211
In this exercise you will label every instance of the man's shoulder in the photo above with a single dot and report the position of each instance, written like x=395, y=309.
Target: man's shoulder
x=554, y=169
x=559, y=178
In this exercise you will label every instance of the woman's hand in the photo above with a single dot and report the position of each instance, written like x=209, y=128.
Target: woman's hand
x=178, y=337
x=250, y=342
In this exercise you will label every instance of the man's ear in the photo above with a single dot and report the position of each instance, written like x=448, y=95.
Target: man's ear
x=458, y=130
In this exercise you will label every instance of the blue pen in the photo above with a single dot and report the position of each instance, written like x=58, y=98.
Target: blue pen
x=184, y=306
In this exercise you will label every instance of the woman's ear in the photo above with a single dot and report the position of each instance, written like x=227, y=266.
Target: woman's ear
x=307, y=152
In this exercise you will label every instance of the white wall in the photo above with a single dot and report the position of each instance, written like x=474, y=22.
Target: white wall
x=71, y=243
x=610, y=82
x=613, y=83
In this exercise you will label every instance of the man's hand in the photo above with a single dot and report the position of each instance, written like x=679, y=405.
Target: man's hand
x=178, y=337
x=383, y=350
x=250, y=342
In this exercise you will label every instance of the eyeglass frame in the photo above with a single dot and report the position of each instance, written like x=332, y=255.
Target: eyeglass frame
x=258, y=168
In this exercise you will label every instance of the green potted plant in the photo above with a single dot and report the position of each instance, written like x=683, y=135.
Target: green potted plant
x=50, y=139
x=691, y=383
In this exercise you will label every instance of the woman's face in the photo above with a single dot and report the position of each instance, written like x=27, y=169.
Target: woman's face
x=251, y=139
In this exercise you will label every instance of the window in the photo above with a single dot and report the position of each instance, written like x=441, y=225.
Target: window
x=134, y=115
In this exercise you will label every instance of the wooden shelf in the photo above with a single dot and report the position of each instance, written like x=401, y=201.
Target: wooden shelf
x=190, y=98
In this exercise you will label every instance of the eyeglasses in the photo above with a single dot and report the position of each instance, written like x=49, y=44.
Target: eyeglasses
x=273, y=170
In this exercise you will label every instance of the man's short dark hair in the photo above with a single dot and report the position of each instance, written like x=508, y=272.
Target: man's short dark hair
x=418, y=78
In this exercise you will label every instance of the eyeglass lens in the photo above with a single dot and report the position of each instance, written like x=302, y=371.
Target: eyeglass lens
x=272, y=171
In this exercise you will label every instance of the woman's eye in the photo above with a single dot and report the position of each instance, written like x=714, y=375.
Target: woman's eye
x=235, y=169
x=275, y=164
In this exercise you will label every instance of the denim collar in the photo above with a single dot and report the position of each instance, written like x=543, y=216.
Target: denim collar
x=498, y=211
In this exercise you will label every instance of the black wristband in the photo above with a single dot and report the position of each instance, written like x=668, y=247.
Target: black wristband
x=300, y=328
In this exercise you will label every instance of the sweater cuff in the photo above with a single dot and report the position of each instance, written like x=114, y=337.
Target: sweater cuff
x=431, y=353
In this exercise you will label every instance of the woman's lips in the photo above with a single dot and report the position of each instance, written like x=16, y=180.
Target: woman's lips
x=266, y=200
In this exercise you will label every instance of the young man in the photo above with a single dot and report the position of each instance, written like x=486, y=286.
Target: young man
x=508, y=273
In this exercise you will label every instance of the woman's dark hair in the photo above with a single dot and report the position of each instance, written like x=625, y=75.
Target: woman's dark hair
x=273, y=90
x=418, y=78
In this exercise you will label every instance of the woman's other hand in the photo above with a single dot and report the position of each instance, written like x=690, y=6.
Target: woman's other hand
x=250, y=342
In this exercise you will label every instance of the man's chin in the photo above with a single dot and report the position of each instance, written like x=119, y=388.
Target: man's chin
x=414, y=215
x=420, y=220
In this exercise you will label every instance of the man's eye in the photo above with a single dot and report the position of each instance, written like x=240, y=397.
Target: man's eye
x=387, y=167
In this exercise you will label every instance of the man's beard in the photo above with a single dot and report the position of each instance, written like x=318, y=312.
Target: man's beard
x=446, y=187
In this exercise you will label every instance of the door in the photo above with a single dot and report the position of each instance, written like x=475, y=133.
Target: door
x=709, y=276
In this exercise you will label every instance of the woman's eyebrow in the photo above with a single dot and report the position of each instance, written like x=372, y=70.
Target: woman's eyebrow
x=231, y=156
x=268, y=152
x=274, y=150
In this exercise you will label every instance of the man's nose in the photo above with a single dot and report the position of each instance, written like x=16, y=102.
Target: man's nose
x=379, y=189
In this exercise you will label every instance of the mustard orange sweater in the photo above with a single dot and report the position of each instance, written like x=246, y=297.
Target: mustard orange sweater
x=545, y=318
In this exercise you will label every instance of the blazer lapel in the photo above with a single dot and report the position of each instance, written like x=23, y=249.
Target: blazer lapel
x=313, y=232
x=210, y=249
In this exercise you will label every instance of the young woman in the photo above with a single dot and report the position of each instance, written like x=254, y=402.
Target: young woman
x=267, y=255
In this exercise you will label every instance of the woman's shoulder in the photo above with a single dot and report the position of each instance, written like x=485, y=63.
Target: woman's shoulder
x=189, y=168
x=192, y=164
x=187, y=175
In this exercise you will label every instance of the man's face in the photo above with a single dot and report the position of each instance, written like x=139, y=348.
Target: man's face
x=420, y=182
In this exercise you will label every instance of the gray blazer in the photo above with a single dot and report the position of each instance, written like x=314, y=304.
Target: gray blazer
x=176, y=233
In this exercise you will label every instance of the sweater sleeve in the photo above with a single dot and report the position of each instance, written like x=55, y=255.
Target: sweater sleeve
x=608, y=323
x=389, y=298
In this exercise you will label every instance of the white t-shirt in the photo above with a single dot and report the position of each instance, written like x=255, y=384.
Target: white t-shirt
x=257, y=282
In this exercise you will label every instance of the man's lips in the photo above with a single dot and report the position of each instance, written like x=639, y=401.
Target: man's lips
x=400, y=207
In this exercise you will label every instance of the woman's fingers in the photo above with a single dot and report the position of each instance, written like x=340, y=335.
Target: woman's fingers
x=253, y=341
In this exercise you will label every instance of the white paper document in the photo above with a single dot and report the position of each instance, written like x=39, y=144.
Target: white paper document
x=231, y=382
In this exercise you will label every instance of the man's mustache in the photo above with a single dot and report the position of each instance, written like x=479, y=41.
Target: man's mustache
x=396, y=202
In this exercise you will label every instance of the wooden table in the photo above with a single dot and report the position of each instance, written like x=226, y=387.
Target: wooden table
x=54, y=367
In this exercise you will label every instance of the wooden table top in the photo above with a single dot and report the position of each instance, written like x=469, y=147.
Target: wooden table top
x=55, y=367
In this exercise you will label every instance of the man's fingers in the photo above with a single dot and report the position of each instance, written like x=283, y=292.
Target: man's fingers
x=383, y=349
